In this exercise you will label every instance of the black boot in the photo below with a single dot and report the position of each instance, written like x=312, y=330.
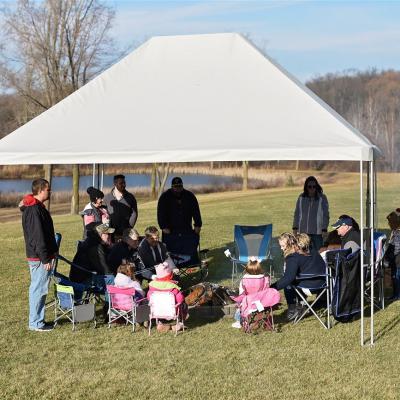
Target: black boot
x=291, y=312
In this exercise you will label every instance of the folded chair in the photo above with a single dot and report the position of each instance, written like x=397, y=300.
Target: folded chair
x=122, y=304
x=75, y=304
x=305, y=287
x=377, y=276
x=163, y=307
x=249, y=241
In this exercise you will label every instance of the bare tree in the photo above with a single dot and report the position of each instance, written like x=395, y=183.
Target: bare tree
x=52, y=48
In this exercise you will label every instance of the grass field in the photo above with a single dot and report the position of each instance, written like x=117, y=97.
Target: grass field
x=210, y=360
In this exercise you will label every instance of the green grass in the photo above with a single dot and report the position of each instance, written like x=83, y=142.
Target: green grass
x=210, y=360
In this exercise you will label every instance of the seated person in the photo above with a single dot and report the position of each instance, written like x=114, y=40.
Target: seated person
x=151, y=252
x=92, y=255
x=125, y=278
x=349, y=232
x=125, y=249
x=298, y=262
x=164, y=282
x=332, y=242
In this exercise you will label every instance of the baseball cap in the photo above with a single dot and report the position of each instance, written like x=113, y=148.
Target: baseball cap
x=342, y=221
x=177, y=181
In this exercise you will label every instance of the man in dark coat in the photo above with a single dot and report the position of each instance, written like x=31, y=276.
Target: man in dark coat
x=121, y=206
x=41, y=250
x=177, y=208
x=179, y=218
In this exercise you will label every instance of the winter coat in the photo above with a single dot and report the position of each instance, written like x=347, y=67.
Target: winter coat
x=91, y=255
x=300, y=266
x=37, y=224
x=123, y=213
x=92, y=214
x=177, y=212
x=311, y=215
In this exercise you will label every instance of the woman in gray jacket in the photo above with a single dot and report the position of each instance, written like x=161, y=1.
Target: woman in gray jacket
x=311, y=215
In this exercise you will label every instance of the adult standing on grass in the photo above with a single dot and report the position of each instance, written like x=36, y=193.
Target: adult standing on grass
x=41, y=250
x=121, y=206
x=311, y=215
x=178, y=209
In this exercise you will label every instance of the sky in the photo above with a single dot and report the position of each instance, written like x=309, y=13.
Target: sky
x=308, y=38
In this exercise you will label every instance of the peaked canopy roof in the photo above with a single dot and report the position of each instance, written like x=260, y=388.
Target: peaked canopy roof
x=211, y=97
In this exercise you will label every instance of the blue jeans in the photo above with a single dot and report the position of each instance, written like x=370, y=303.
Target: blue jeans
x=38, y=290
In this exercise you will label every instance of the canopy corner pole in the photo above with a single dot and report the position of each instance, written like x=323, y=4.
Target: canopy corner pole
x=94, y=175
x=362, y=252
x=101, y=176
x=372, y=256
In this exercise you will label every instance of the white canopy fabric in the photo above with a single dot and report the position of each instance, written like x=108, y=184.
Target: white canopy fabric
x=211, y=97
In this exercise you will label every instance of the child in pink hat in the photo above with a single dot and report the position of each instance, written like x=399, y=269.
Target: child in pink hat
x=164, y=282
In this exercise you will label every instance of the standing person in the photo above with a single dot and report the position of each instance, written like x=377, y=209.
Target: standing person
x=121, y=206
x=94, y=211
x=393, y=252
x=41, y=250
x=179, y=218
x=311, y=215
x=177, y=208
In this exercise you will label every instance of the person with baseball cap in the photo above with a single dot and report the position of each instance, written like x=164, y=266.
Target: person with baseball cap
x=178, y=210
x=349, y=232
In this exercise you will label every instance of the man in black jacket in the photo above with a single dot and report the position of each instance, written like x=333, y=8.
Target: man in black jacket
x=41, y=250
x=179, y=218
x=176, y=209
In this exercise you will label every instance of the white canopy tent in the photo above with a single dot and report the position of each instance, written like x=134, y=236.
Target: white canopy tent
x=211, y=97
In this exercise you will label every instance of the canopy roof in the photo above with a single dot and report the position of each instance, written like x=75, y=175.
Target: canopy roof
x=211, y=97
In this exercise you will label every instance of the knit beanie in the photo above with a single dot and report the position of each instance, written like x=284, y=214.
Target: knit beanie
x=94, y=193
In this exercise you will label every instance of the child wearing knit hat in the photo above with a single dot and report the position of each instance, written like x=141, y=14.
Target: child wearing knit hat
x=164, y=282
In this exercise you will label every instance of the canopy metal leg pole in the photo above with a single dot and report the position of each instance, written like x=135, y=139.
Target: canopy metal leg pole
x=362, y=251
x=101, y=176
x=372, y=258
x=94, y=175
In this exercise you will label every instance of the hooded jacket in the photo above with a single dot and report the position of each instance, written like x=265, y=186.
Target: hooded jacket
x=311, y=215
x=37, y=224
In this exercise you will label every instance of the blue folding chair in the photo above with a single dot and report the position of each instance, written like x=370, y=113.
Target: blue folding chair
x=250, y=241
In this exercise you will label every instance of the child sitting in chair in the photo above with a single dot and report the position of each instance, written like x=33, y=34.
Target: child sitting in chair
x=125, y=278
x=254, y=282
x=393, y=252
x=164, y=282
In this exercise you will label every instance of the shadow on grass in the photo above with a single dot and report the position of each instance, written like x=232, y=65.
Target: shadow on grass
x=388, y=327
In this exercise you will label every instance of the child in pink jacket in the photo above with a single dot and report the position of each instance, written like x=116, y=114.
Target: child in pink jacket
x=254, y=290
x=164, y=282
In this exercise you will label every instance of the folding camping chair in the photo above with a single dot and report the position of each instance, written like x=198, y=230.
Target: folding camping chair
x=76, y=308
x=304, y=287
x=184, y=250
x=122, y=304
x=250, y=241
x=163, y=306
x=377, y=276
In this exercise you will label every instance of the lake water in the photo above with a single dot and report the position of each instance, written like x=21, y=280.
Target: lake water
x=64, y=183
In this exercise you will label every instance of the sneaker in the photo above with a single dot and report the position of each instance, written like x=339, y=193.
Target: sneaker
x=236, y=325
x=44, y=328
x=291, y=312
